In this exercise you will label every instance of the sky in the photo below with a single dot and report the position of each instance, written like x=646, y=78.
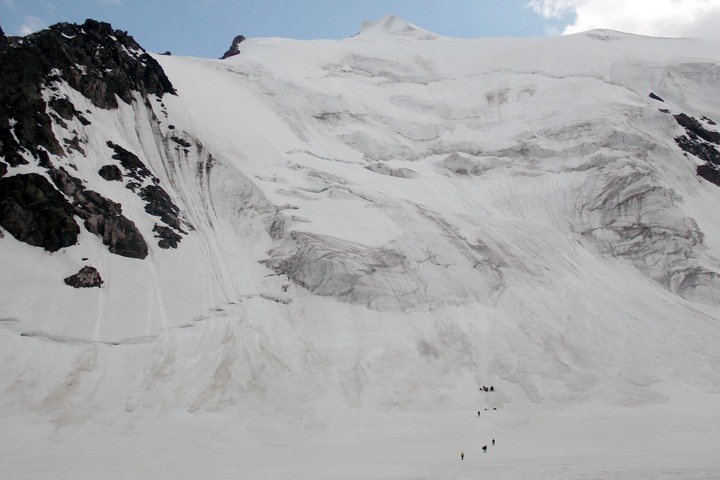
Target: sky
x=205, y=28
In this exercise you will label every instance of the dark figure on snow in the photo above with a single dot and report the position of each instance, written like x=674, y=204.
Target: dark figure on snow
x=484, y=448
x=485, y=389
x=492, y=389
x=478, y=413
x=462, y=455
x=493, y=442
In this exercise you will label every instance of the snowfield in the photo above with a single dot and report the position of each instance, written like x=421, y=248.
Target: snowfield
x=382, y=225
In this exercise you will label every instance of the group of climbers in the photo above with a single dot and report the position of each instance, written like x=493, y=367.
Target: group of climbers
x=484, y=388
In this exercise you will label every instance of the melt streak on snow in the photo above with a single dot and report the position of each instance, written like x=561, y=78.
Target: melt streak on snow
x=382, y=224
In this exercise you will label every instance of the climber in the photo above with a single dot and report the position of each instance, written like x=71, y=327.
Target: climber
x=484, y=448
x=493, y=442
x=462, y=455
x=492, y=389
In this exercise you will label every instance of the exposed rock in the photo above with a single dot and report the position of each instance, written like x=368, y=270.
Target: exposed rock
x=74, y=144
x=3, y=169
x=87, y=277
x=700, y=149
x=234, y=47
x=709, y=173
x=99, y=62
x=102, y=217
x=110, y=173
x=167, y=53
x=703, y=144
x=135, y=167
x=36, y=213
x=120, y=235
x=655, y=97
x=693, y=126
x=158, y=202
x=87, y=203
x=65, y=182
x=168, y=237
x=181, y=142
x=160, y=205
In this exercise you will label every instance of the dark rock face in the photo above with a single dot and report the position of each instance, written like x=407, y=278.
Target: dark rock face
x=87, y=277
x=180, y=141
x=703, y=143
x=135, y=168
x=102, y=217
x=234, y=47
x=111, y=173
x=168, y=237
x=3, y=169
x=709, y=173
x=157, y=200
x=92, y=58
x=160, y=205
x=35, y=213
x=655, y=97
x=695, y=129
x=120, y=235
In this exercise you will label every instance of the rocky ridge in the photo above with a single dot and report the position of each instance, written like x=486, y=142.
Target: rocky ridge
x=105, y=66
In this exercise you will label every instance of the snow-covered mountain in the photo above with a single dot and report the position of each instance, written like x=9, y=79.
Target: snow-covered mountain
x=359, y=231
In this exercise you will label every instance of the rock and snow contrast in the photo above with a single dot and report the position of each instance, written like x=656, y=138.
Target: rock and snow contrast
x=306, y=259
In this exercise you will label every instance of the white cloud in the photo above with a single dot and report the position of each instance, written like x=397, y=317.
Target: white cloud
x=31, y=24
x=661, y=18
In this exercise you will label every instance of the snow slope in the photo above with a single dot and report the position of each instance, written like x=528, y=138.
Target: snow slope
x=382, y=224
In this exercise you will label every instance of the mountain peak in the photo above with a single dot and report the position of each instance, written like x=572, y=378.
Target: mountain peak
x=391, y=25
x=234, y=47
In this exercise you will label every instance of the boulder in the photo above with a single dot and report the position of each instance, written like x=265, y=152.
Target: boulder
x=87, y=277
x=110, y=173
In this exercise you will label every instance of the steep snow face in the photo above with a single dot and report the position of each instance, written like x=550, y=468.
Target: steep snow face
x=389, y=220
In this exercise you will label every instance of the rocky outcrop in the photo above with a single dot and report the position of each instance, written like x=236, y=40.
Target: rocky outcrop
x=99, y=62
x=87, y=277
x=120, y=235
x=157, y=201
x=234, y=47
x=134, y=167
x=159, y=204
x=3, y=169
x=111, y=173
x=702, y=143
x=695, y=129
x=36, y=213
x=167, y=236
x=102, y=217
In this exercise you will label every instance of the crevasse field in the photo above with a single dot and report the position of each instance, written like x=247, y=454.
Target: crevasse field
x=384, y=224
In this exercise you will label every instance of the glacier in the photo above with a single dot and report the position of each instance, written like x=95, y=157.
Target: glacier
x=373, y=228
